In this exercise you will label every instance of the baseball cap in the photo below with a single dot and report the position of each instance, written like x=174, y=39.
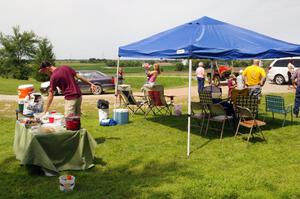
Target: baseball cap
x=44, y=64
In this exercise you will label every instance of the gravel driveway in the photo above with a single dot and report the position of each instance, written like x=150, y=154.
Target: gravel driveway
x=180, y=93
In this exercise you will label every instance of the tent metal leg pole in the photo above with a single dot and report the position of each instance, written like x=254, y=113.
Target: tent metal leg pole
x=117, y=83
x=189, y=108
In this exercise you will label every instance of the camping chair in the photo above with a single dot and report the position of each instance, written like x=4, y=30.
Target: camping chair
x=129, y=99
x=157, y=100
x=247, y=119
x=275, y=104
x=217, y=114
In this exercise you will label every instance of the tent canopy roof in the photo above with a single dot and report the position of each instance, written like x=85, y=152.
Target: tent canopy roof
x=208, y=38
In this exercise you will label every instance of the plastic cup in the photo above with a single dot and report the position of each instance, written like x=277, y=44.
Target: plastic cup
x=51, y=119
x=66, y=183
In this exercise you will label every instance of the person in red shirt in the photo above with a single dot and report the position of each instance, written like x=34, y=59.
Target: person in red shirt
x=63, y=77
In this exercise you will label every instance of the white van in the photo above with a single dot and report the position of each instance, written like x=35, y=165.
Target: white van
x=278, y=69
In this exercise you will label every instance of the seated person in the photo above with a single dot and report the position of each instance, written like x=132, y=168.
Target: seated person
x=217, y=98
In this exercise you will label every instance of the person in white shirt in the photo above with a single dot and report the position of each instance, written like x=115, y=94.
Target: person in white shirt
x=200, y=74
x=291, y=69
x=240, y=80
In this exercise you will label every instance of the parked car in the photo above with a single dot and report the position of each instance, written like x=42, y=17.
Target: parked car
x=278, y=70
x=101, y=80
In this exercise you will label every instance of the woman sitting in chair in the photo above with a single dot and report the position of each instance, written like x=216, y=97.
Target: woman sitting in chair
x=152, y=75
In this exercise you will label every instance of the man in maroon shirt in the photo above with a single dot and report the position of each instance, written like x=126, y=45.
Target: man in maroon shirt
x=63, y=77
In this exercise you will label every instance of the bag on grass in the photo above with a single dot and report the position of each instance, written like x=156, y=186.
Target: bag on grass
x=108, y=122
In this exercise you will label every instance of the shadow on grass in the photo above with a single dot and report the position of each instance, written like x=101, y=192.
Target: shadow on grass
x=101, y=140
x=180, y=123
x=276, y=123
x=134, y=179
x=99, y=161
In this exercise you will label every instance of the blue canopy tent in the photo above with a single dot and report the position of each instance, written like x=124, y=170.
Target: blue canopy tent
x=207, y=38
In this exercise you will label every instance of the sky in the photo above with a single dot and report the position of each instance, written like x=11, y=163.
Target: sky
x=82, y=29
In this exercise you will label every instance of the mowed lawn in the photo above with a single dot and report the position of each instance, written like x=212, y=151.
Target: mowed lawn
x=147, y=159
x=135, y=76
x=110, y=70
x=9, y=86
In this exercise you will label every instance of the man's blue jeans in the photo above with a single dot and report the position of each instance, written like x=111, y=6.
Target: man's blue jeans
x=200, y=84
x=297, y=101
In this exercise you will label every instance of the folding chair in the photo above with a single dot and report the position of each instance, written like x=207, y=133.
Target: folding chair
x=217, y=114
x=205, y=97
x=129, y=100
x=248, y=120
x=199, y=113
x=199, y=110
x=216, y=92
x=156, y=100
x=275, y=104
x=238, y=92
x=250, y=102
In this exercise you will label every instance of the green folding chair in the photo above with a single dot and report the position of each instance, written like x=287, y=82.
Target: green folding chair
x=275, y=104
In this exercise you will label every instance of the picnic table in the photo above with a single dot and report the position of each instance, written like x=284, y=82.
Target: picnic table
x=54, y=152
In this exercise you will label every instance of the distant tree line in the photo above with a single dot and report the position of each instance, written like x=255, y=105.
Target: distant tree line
x=21, y=54
x=178, y=64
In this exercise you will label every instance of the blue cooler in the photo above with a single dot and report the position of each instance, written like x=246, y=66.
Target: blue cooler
x=121, y=116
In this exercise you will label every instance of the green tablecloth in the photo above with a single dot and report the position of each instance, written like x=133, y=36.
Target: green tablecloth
x=54, y=152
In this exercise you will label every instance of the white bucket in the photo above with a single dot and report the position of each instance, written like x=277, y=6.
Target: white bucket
x=103, y=114
x=24, y=90
x=66, y=183
x=177, y=109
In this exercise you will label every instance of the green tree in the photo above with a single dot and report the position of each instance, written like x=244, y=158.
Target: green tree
x=17, y=51
x=44, y=52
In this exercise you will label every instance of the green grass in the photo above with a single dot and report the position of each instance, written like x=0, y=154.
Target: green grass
x=10, y=86
x=109, y=70
x=168, y=82
x=133, y=75
x=147, y=159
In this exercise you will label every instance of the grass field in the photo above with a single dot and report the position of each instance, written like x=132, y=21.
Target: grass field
x=109, y=70
x=135, y=76
x=168, y=82
x=9, y=86
x=147, y=159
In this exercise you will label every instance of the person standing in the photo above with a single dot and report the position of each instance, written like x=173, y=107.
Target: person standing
x=291, y=69
x=200, y=74
x=254, y=78
x=231, y=84
x=63, y=77
x=121, y=75
x=240, y=80
x=152, y=75
x=296, y=78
